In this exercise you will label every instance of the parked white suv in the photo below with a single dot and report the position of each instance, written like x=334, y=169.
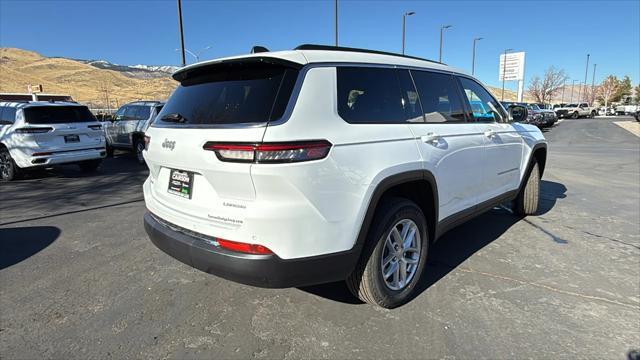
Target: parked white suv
x=38, y=134
x=321, y=164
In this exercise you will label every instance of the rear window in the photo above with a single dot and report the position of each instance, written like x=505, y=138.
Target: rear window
x=8, y=114
x=237, y=94
x=57, y=114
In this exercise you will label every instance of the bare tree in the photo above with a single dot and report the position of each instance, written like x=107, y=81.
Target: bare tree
x=608, y=89
x=591, y=94
x=542, y=90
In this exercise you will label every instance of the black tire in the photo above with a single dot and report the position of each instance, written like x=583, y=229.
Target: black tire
x=8, y=169
x=89, y=166
x=593, y=114
x=109, y=150
x=138, y=148
x=526, y=203
x=367, y=282
x=575, y=115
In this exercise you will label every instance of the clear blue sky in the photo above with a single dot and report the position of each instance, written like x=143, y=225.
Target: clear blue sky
x=558, y=33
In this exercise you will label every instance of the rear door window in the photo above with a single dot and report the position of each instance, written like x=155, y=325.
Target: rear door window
x=8, y=113
x=57, y=114
x=370, y=95
x=235, y=94
x=439, y=96
x=143, y=112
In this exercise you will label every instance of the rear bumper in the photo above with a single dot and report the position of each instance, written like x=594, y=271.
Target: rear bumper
x=26, y=160
x=258, y=270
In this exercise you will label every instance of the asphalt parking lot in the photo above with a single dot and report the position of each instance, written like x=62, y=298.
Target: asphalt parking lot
x=80, y=279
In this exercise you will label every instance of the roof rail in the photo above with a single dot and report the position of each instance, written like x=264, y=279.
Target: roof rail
x=342, y=48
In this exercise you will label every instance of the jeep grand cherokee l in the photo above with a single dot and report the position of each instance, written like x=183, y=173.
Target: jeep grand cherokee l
x=38, y=134
x=320, y=164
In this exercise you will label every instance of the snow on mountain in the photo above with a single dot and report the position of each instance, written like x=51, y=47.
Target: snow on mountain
x=137, y=71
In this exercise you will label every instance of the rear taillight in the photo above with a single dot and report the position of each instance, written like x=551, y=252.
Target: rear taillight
x=270, y=152
x=147, y=140
x=244, y=247
x=95, y=127
x=33, y=130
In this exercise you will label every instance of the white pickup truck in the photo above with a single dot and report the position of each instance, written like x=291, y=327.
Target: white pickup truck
x=626, y=109
x=575, y=111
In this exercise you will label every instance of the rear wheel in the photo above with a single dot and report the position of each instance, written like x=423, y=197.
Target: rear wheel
x=527, y=201
x=8, y=168
x=109, y=150
x=593, y=114
x=138, y=147
x=393, y=257
x=89, y=166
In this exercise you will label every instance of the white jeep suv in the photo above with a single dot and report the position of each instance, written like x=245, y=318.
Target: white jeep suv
x=38, y=134
x=281, y=169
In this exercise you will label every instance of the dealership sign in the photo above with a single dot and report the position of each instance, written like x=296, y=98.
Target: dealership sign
x=513, y=69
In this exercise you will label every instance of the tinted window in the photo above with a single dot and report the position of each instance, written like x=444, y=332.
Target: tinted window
x=483, y=106
x=233, y=95
x=131, y=113
x=410, y=99
x=9, y=114
x=57, y=114
x=369, y=95
x=120, y=113
x=439, y=97
x=142, y=112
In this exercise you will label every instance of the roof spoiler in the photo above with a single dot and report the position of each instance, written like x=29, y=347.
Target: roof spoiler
x=212, y=66
x=259, y=49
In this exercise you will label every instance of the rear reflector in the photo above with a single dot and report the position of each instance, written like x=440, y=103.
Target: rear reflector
x=270, y=152
x=244, y=247
x=33, y=130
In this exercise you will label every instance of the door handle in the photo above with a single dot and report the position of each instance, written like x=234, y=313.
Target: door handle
x=431, y=138
x=490, y=134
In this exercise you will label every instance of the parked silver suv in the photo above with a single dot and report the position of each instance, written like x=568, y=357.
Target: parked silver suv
x=126, y=130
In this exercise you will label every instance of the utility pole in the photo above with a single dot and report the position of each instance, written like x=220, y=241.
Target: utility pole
x=562, y=97
x=404, y=21
x=335, y=13
x=181, y=33
x=504, y=70
x=442, y=28
x=586, y=70
x=473, y=56
x=593, y=82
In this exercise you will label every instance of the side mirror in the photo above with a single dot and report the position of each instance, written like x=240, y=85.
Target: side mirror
x=518, y=113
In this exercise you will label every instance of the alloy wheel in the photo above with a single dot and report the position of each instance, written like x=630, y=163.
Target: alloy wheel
x=401, y=254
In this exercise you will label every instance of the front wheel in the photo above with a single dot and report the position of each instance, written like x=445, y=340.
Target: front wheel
x=593, y=114
x=393, y=257
x=526, y=203
x=8, y=168
x=89, y=166
x=575, y=115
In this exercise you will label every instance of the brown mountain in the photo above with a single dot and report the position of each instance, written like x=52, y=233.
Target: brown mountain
x=86, y=83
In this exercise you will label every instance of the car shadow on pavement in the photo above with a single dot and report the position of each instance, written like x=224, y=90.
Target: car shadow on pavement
x=20, y=243
x=456, y=246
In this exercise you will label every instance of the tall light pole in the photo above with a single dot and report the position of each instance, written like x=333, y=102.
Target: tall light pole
x=563, y=86
x=593, y=82
x=586, y=70
x=404, y=21
x=504, y=70
x=181, y=33
x=335, y=13
x=473, y=56
x=573, y=83
x=442, y=28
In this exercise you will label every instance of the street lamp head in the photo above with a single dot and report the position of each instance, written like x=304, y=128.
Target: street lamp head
x=409, y=13
x=478, y=39
x=446, y=26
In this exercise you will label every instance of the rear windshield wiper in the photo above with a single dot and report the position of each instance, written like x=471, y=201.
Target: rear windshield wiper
x=174, y=117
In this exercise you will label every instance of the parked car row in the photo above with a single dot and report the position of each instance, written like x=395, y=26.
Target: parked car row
x=537, y=115
x=40, y=134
